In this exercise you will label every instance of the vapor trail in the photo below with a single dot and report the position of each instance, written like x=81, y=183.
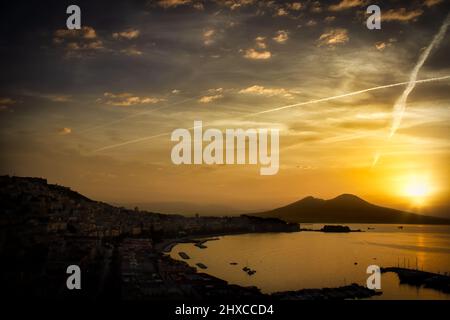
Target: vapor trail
x=141, y=139
x=346, y=95
x=107, y=124
x=132, y=141
x=400, y=104
x=281, y=108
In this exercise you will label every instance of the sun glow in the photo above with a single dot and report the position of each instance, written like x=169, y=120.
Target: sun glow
x=417, y=188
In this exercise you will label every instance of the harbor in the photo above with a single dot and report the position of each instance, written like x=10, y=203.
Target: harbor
x=289, y=261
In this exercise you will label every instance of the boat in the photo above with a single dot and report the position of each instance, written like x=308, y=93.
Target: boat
x=184, y=255
x=249, y=271
x=201, y=265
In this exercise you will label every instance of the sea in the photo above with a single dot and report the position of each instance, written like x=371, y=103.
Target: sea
x=299, y=260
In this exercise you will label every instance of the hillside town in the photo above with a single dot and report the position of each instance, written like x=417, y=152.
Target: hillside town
x=45, y=228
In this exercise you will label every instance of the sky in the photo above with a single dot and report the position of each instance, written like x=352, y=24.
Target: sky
x=93, y=109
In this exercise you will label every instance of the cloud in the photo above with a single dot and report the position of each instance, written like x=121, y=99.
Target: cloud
x=380, y=45
x=281, y=37
x=261, y=42
x=430, y=3
x=64, y=131
x=126, y=99
x=260, y=53
x=132, y=51
x=208, y=99
x=85, y=32
x=208, y=36
x=257, y=55
x=315, y=7
x=127, y=34
x=213, y=94
x=6, y=101
x=76, y=41
x=346, y=4
x=401, y=15
x=281, y=12
x=334, y=37
x=294, y=6
x=269, y=92
x=311, y=23
x=78, y=46
x=235, y=4
x=173, y=3
x=56, y=97
x=199, y=6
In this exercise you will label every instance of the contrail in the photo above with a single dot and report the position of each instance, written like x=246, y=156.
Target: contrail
x=400, y=104
x=107, y=124
x=141, y=139
x=132, y=141
x=347, y=95
x=281, y=108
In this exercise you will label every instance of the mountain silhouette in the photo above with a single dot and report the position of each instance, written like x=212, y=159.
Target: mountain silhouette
x=346, y=208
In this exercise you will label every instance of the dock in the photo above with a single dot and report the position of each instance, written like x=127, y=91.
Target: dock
x=418, y=278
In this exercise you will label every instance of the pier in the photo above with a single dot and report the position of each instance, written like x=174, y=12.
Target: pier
x=418, y=278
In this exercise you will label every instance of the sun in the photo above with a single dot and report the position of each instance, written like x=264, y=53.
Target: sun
x=417, y=189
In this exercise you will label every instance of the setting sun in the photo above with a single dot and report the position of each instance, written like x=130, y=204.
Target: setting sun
x=417, y=188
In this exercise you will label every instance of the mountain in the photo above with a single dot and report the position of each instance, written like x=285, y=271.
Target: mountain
x=346, y=208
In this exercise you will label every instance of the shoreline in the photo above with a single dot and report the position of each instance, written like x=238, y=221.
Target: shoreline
x=411, y=277
x=252, y=293
x=352, y=291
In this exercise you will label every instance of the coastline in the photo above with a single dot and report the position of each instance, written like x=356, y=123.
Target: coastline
x=352, y=291
x=440, y=284
x=252, y=293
